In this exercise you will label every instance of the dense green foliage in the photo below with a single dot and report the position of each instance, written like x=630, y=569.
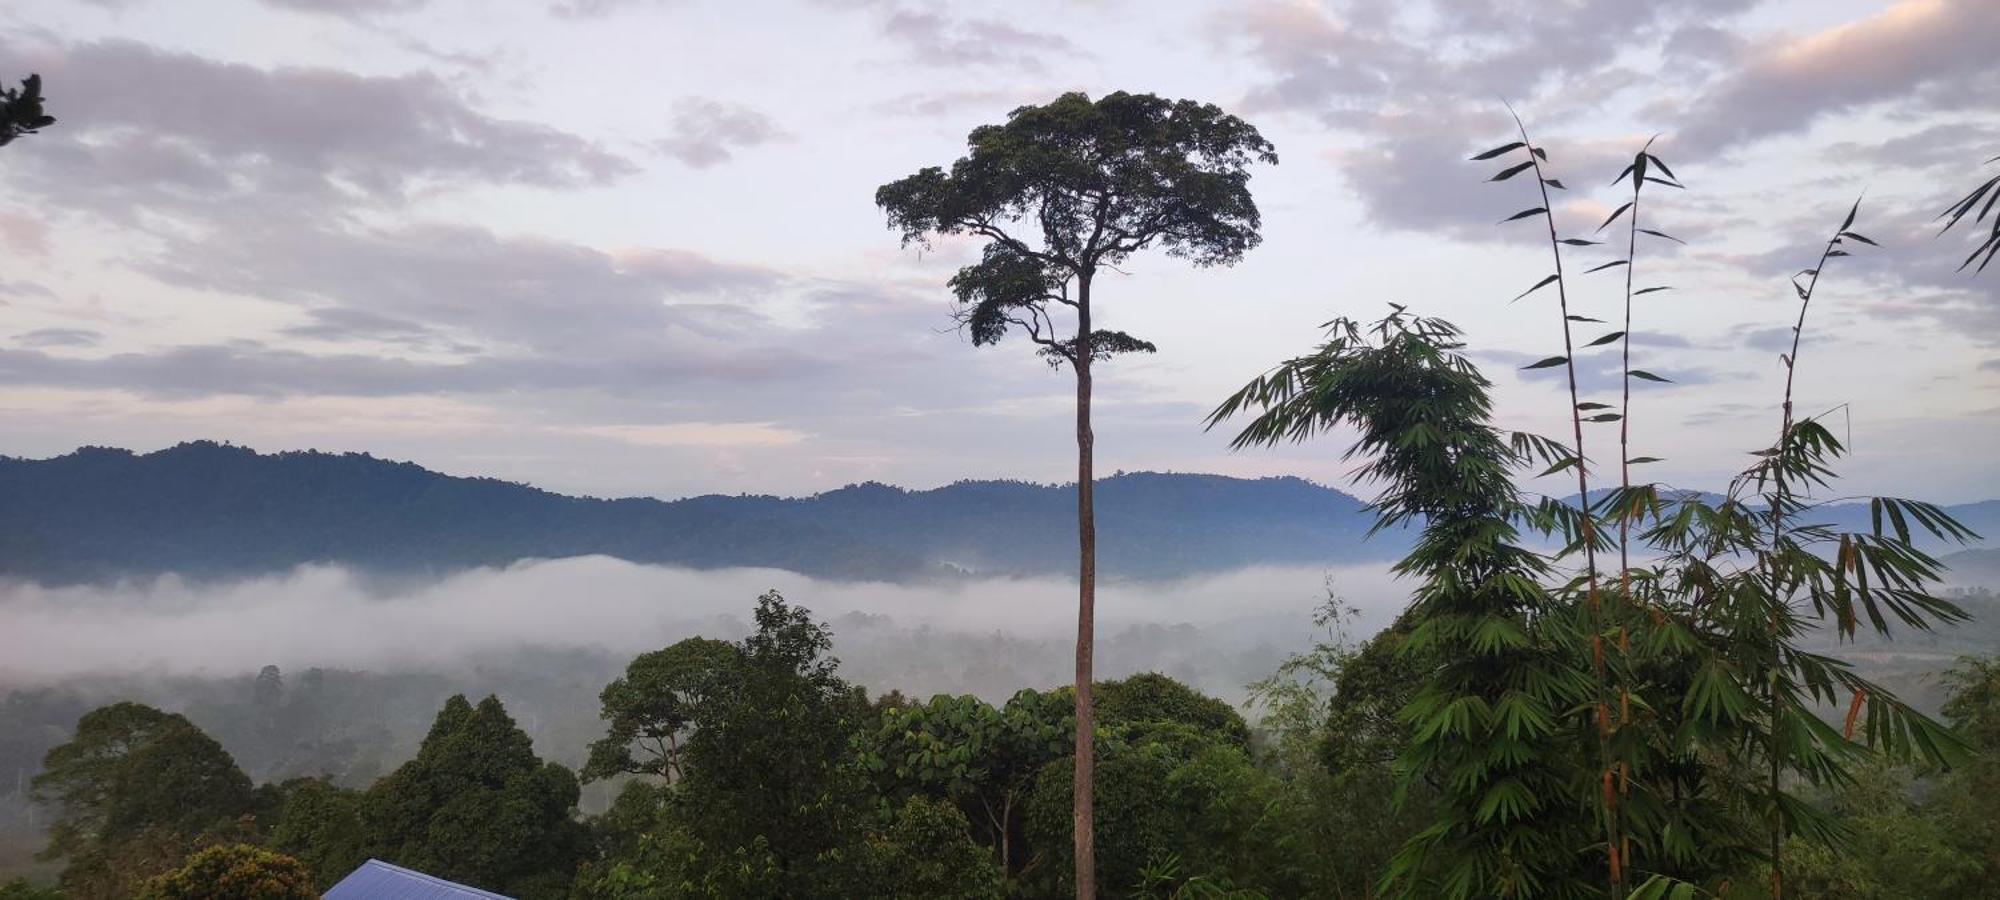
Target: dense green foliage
x=651, y=708
x=22, y=889
x=135, y=789
x=21, y=110
x=234, y=872
x=1585, y=727
x=320, y=825
x=950, y=797
x=1487, y=719
x=477, y=806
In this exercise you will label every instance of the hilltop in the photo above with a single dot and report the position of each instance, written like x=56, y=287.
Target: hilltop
x=210, y=510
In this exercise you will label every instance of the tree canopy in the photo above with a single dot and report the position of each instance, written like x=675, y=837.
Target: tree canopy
x=234, y=872
x=652, y=707
x=21, y=110
x=134, y=789
x=1063, y=189
x=477, y=806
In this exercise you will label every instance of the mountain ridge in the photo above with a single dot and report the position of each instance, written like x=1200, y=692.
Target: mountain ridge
x=208, y=510
x=203, y=509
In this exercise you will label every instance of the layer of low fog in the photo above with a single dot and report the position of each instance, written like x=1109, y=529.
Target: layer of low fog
x=988, y=636
x=366, y=663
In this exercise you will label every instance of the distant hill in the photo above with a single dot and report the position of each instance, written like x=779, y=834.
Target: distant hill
x=208, y=510
x=1974, y=568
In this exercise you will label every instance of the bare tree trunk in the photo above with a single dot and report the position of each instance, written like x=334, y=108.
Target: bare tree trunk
x=1086, y=611
x=1006, y=835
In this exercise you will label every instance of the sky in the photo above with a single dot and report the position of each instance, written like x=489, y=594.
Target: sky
x=625, y=247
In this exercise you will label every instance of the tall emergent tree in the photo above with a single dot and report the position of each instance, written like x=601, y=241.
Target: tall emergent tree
x=134, y=790
x=1099, y=180
x=659, y=698
x=477, y=806
x=21, y=110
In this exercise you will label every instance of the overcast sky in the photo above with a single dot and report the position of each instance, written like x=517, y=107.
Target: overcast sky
x=629, y=246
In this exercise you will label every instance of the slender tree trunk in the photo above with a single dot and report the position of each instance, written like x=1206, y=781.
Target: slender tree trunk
x=1614, y=838
x=1086, y=609
x=1780, y=589
x=1007, y=835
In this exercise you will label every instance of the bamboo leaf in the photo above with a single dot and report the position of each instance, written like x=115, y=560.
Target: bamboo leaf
x=1642, y=460
x=1511, y=171
x=1584, y=319
x=1524, y=214
x=1579, y=242
x=1610, y=265
x=1648, y=376
x=1652, y=290
x=1614, y=216
x=1538, y=286
x=1546, y=363
x=1662, y=234
x=1498, y=151
x=1604, y=417
x=1613, y=336
x=1858, y=237
x=1959, y=209
x=1565, y=463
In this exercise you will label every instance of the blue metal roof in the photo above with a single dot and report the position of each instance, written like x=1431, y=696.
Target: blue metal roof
x=377, y=880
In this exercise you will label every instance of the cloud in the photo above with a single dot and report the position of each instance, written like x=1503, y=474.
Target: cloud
x=597, y=9
x=1895, y=54
x=342, y=324
x=707, y=132
x=633, y=336
x=541, y=295
x=1910, y=275
x=252, y=368
x=151, y=130
x=700, y=434
x=59, y=337
x=1412, y=94
x=348, y=7
x=935, y=103
x=24, y=289
x=24, y=235
x=1767, y=338
x=1599, y=373
x=929, y=35
x=938, y=39
x=1347, y=65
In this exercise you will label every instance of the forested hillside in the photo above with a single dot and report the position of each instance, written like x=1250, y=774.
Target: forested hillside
x=204, y=509
x=210, y=510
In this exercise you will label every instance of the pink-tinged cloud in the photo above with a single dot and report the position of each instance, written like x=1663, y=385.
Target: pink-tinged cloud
x=1910, y=46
